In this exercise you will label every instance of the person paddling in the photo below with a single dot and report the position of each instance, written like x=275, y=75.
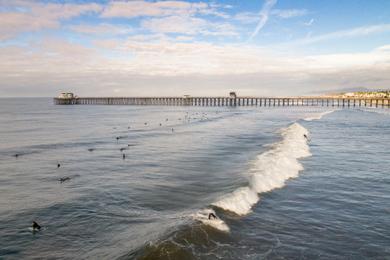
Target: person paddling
x=35, y=226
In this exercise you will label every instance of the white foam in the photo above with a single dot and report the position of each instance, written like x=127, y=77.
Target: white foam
x=270, y=170
x=318, y=116
x=240, y=201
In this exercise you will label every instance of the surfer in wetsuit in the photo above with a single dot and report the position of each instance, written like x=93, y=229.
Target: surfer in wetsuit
x=212, y=216
x=304, y=135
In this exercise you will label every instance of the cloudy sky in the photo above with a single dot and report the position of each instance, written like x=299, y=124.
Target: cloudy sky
x=147, y=48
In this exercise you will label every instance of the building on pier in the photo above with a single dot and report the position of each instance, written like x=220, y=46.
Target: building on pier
x=66, y=95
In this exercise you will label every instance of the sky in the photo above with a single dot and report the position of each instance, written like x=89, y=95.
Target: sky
x=199, y=48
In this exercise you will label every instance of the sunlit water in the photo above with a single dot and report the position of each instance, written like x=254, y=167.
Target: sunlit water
x=276, y=194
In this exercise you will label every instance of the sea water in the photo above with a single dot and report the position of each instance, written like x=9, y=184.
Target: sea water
x=284, y=183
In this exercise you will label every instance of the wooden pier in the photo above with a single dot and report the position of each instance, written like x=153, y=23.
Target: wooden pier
x=227, y=101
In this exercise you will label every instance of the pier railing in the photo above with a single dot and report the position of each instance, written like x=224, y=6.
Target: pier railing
x=227, y=101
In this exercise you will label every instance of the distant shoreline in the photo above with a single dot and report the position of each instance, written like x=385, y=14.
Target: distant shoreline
x=361, y=94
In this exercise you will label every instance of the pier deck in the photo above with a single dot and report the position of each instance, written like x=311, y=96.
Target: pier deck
x=227, y=101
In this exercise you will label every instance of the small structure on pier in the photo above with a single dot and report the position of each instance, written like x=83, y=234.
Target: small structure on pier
x=66, y=95
x=232, y=94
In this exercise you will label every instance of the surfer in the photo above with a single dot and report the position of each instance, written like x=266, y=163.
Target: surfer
x=212, y=216
x=58, y=165
x=35, y=226
x=304, y=135
x=123, y=156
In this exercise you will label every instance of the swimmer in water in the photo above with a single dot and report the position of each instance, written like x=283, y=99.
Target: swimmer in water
x=35, y=226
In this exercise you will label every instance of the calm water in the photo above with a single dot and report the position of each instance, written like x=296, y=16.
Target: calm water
x=276, y=195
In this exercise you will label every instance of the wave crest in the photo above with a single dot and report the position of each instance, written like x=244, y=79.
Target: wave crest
x=318, y=116
x=270, y=170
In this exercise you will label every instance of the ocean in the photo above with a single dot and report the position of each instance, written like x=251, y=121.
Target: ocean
x=141, y=182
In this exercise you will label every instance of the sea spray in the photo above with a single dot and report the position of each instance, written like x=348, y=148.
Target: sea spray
x=270, y=170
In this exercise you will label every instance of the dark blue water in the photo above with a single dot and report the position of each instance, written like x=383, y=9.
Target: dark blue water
x=147, y=206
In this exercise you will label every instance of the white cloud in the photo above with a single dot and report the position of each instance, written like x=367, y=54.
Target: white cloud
x=350, y=33
x=264, y=14
x=289, y=13
x=247, y=17
x=175, y=24
x=187, y=25
x=152, y=65
x=132, y=9
x=385, y=48
x=251, y=17
x=28, y=16
x=101, y=29
x=309, y=23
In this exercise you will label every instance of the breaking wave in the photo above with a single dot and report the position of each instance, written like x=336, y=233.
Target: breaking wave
x=270, y=170
x=318, y=116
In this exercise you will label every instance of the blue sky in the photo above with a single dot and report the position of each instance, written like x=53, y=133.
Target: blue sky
x=265, y=47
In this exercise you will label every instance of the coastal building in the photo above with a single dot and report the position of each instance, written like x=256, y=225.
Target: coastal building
x=66, y=95
x=233, y=94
